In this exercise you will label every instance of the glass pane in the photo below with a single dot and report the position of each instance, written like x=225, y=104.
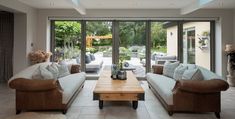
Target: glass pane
x=67, y=41
x=196, y=43
x=132, y=46
x=98, y=46
x=164, y=43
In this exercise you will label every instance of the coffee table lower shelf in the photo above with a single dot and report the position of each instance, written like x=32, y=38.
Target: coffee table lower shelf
x=134, y=97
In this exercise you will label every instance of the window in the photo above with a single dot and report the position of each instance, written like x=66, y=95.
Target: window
x=164, y=42
x=132, y=41
x=98, y=44
x=126, y=41
x=67, y=41
x=196, y=43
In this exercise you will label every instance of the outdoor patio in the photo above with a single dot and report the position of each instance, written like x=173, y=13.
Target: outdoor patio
x=134, y=63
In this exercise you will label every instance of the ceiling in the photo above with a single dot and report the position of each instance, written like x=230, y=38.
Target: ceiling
x=186, y=6
x=45, y=4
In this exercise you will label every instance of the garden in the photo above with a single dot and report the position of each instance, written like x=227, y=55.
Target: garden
x=131, y=38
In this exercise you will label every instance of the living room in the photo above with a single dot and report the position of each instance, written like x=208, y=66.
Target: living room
x=197, y=32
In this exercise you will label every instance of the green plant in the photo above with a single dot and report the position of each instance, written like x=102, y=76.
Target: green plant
x=67, y=33
x=162, y=49
x=66, y=52
x=92, y=50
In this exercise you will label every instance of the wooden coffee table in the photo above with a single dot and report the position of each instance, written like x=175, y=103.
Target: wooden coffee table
x=107, y=89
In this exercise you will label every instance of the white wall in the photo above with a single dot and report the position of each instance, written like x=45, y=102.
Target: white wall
x=25, y=23
x=20, y=30
x=172, y=42
x=202, y=56
x=224, y=30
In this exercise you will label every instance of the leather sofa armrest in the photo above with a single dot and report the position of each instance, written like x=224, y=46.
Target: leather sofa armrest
x=34, y=85
x=201, y=86
x=75, y=68
x=158, y=69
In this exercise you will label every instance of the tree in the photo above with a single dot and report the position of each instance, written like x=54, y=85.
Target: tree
x=98, y=28
x=67, y=33
x=132, y=33
x=158, y=34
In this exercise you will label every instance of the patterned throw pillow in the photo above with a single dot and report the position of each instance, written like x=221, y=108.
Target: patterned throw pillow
x=179, y=71
x=75, y=68
x=169, y=68
x=192, y=74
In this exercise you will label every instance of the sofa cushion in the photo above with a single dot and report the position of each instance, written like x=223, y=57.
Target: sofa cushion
x=163, y=85
x=92, y=57
x=190, y=66
x=169, y=68
x=42, y=73
x=28, y=72
x=179, y=71
x=54, y=70
x=192, y=74
x=208, y=75
x=70, y=84
x=63, y=70
x=87, y=58
x=37, y=74
x=46, y=74
x=96, y=64
x=166, y=57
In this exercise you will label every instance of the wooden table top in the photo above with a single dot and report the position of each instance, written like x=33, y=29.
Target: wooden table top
x=106, y=84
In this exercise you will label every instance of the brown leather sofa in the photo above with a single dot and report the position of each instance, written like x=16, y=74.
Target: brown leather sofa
x=47, y=94
x=189, y=95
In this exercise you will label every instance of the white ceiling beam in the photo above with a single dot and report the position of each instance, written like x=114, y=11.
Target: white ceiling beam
x=76, y=4
x=198, y=4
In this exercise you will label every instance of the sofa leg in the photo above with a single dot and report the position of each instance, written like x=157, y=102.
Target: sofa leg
x=217, y=114
x=18, y=111
x=64, y=111
x=170, y=113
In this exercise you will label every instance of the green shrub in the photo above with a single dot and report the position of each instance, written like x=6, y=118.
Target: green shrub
x=91, y=50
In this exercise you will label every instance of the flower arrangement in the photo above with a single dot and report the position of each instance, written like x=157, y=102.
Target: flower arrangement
x=39, y=56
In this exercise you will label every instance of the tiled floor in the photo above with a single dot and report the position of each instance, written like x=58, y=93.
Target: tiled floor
x=85, y=108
